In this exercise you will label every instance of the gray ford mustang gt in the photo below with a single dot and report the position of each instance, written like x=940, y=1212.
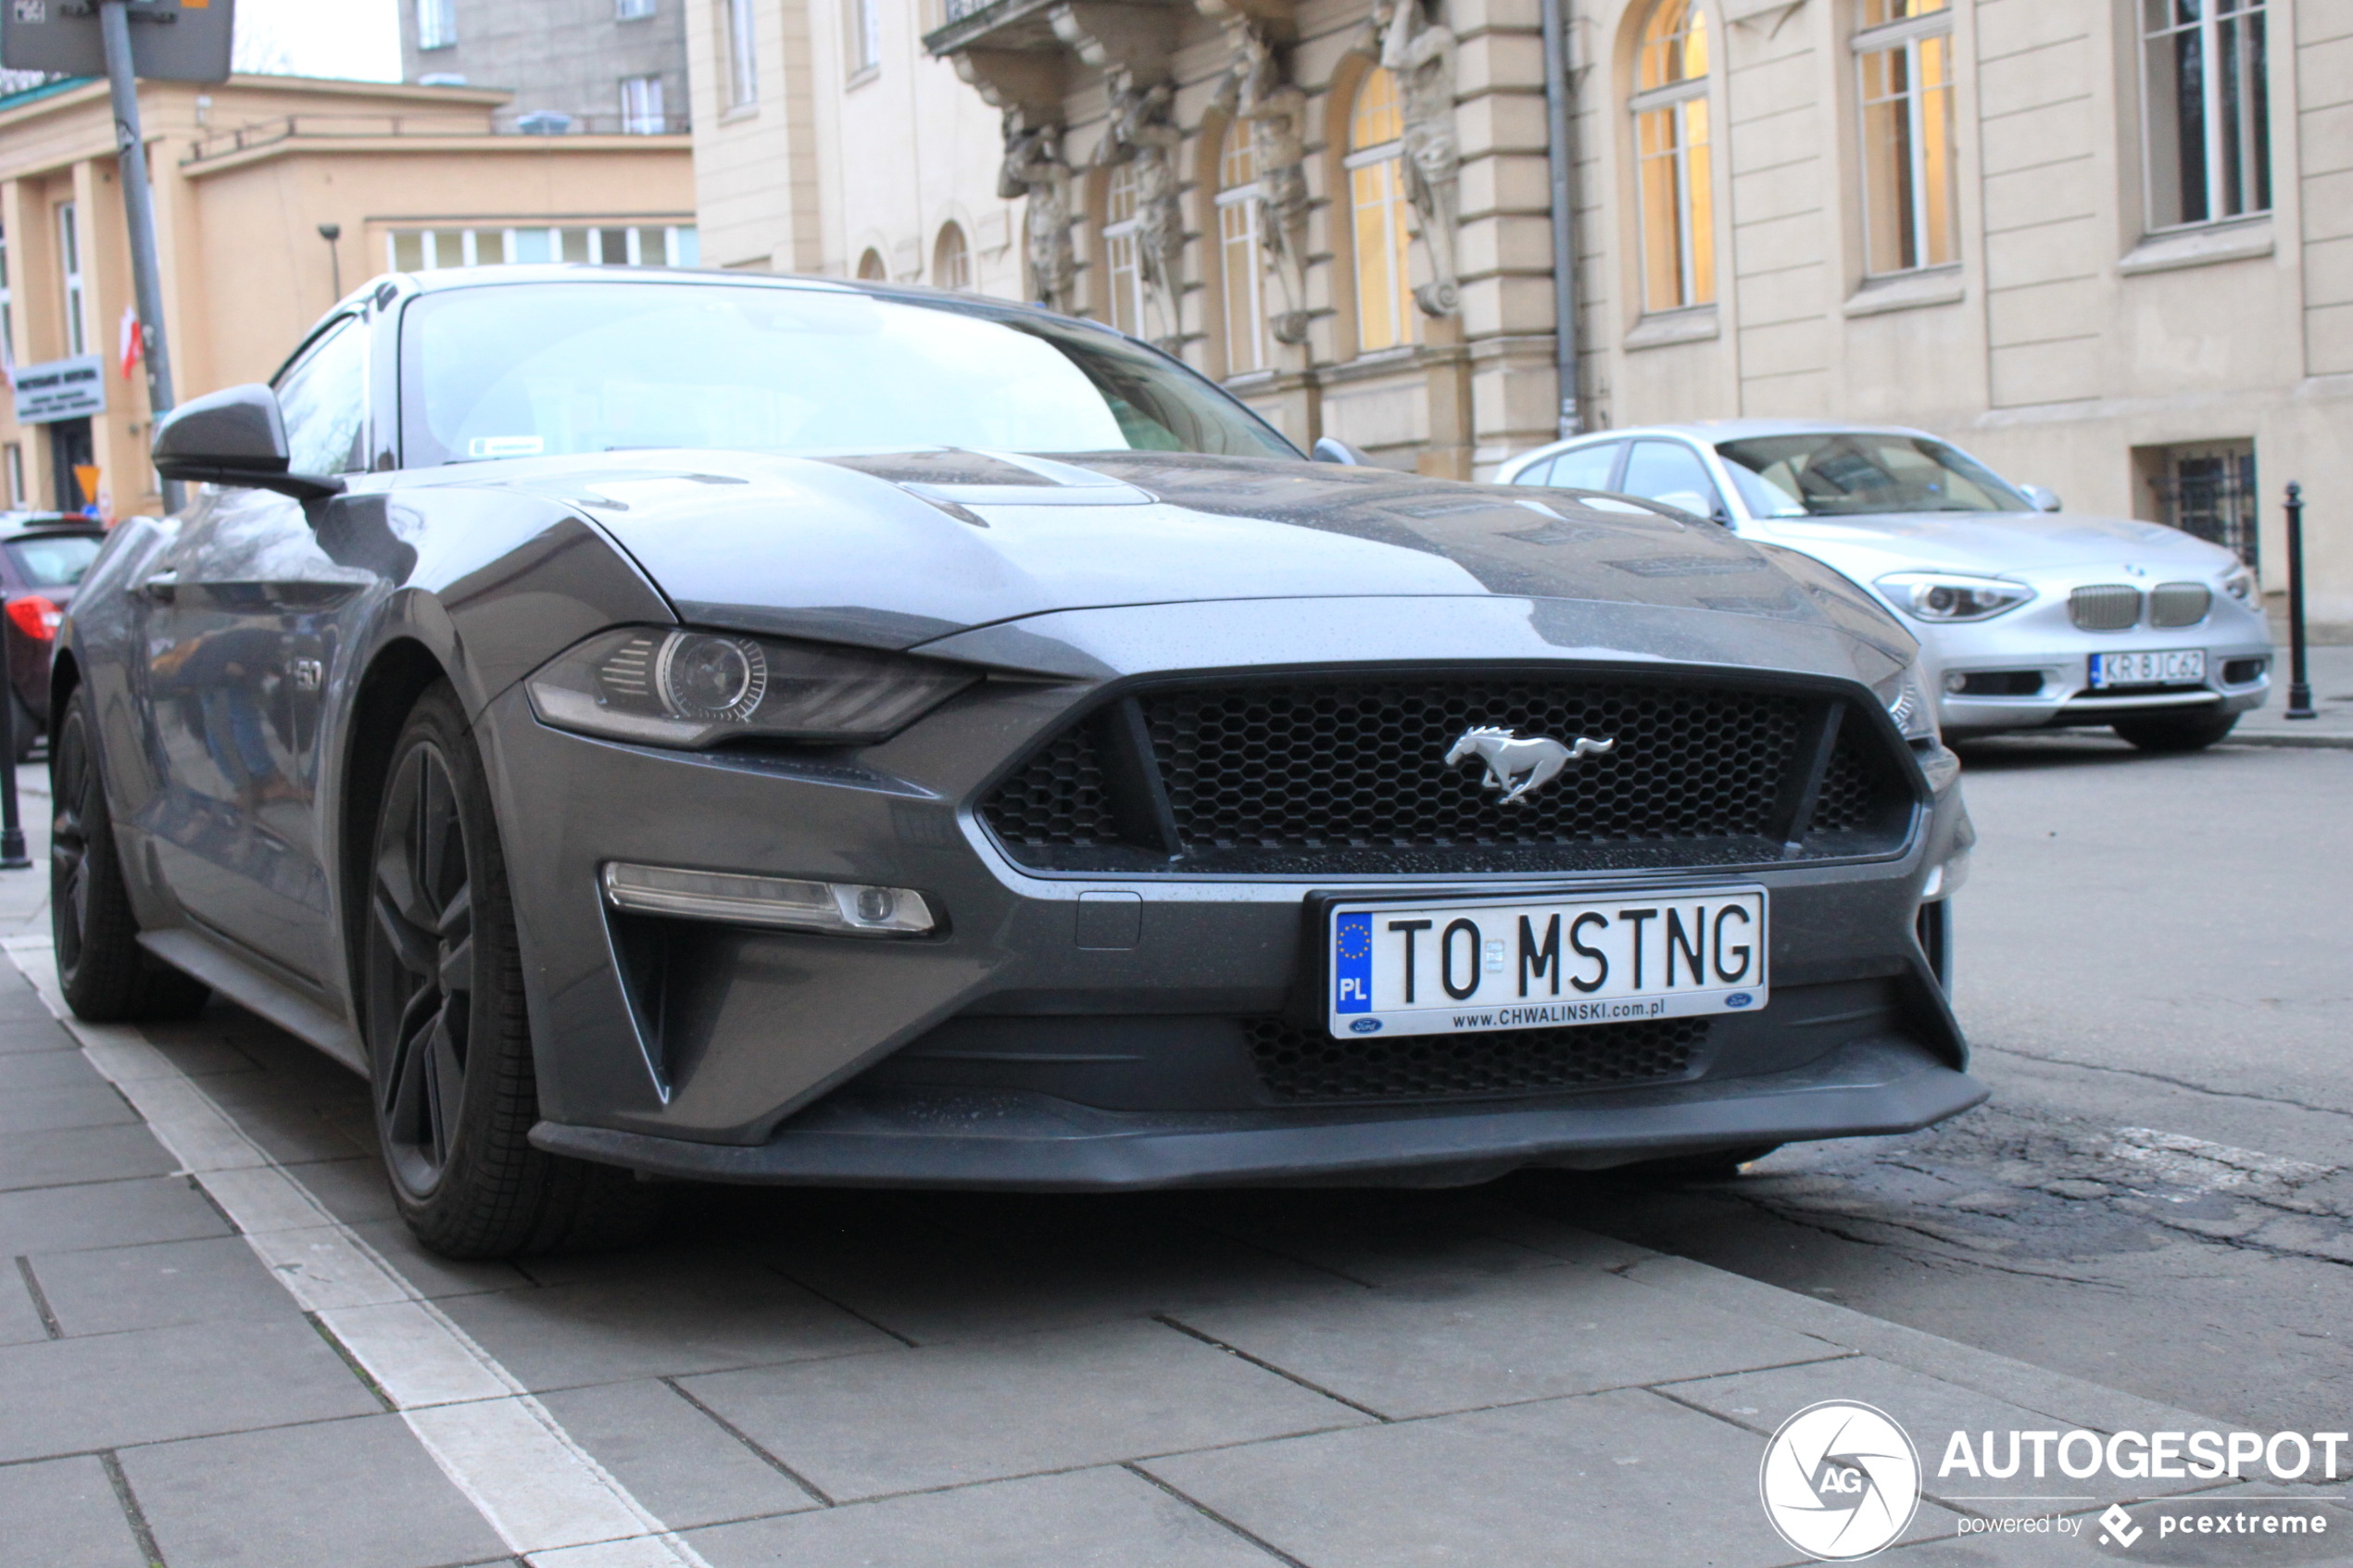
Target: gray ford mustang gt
x=771, y=730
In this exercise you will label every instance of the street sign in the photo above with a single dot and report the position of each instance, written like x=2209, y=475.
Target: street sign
x=62, y=389
x=171, y=40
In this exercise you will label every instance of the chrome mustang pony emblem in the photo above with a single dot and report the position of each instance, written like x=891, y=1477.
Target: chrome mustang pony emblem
x=1519, y=767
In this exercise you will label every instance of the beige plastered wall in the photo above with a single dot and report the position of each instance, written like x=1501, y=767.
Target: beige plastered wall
x=2064, y=336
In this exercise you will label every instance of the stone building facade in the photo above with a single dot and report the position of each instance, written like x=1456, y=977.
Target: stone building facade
x=613, y=67
x=2105, y=244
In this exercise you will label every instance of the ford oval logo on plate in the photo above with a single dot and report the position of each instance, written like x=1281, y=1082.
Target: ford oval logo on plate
x=1738, y=1000
x=1365, y=1026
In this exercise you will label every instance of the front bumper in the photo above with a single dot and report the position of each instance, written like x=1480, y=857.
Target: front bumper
x=679, y=1048
x=2039, y=642
x=1035, y=1143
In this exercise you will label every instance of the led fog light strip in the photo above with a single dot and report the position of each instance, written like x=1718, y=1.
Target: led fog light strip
x=766, y=900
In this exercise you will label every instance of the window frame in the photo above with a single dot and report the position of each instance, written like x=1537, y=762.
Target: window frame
x=8, y=308
x=634, y=10
x=738, y=38
x=648, y=116
x=1694, y=198
x=1122, y=267
x=864, y=37
x=2259, y=170
x=1402, y=327
x=1908, y=34
x=1243, y=280
x=443, y=33
x=70, y=283
x=961, y=257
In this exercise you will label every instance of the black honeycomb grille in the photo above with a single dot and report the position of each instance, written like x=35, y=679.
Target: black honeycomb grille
x=1362, y=765
x=1059, y=798
x=1341, y=777
x=1300, y=1063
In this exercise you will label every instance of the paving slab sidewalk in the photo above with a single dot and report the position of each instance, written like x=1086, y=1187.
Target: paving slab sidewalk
x=1224, y=1379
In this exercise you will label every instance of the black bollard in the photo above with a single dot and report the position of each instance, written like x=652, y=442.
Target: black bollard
x=2299, y=683
x=12, y=855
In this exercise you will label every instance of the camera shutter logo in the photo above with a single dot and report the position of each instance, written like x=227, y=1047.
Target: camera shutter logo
x=1839, y=1481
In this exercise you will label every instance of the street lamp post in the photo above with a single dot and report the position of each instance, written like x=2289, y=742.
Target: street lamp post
x=2299, y=684
x=330, y=233
x=139, y=216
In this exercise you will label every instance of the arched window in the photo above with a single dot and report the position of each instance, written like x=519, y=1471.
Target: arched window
x=952, y=260
x=1123, y=280
x=1385, y=315
x=1241, y=259
x=870, y=265
x=1675, y=194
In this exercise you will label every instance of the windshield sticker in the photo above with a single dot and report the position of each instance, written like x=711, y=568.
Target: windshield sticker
x=505, y=447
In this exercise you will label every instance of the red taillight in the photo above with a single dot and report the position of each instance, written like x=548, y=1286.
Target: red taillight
x=35, y=617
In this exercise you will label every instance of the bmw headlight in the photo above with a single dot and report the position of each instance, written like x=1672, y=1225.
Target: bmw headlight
x=2240, y=584
x=662, y=687
x=1951, y=595
x=1907, y=703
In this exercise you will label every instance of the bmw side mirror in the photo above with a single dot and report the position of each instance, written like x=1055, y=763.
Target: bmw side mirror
x=1328, y=449
x=234, y=436
x=2044, y=500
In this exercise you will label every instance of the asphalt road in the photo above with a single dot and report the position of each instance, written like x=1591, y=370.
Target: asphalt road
x=2154, y=963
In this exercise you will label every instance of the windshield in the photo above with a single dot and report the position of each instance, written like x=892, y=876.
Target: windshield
x=1847, y=474
x=56, y=561
x=523, y=371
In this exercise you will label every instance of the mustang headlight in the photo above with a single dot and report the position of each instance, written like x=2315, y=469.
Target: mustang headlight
x=1907, y=703
x=674, y=687
x=1951, y=595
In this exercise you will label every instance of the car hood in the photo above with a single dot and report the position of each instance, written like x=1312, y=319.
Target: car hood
x=1990, y=543
x=903, y=549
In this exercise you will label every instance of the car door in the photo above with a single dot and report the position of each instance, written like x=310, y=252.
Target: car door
x=1672, y=474
x=240, y=625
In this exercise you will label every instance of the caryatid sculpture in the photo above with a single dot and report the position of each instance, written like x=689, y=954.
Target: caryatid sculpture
x=1143, y=132
x=1419, y=51
x=1034, y=167
x=1255, y=93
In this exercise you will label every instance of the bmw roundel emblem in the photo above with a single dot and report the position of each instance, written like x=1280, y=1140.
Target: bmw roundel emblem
x=1738, y=1000
x=1365, y=1026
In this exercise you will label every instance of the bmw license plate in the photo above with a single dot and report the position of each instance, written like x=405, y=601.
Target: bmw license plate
x=2171, y=667
x=1456, y=965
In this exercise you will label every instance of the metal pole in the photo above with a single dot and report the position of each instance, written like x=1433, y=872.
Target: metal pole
x=330, y=233
x=1559, y=154
x=12, y=855
x=2299, y=684
x=139, y=216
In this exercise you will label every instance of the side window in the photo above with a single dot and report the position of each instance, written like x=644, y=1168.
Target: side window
x=1671, y=473
x=1588, y=467
x=324, y=398
x=1537, y=473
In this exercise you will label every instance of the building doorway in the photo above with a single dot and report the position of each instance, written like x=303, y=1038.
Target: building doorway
x=70, y=448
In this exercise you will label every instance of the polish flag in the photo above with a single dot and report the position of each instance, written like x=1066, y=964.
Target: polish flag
x=128, y=340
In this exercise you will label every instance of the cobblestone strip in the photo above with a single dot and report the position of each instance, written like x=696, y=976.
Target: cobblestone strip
x=544, y=1494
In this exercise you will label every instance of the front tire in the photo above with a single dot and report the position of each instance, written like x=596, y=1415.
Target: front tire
x=2176, y=731
x=449, y=1040
x=106, y=975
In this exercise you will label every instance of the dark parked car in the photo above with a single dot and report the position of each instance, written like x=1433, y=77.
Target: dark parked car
x=787, y=731
x=43, y=555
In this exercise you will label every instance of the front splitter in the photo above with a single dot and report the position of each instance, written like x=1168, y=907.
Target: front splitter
x=1034, y=1143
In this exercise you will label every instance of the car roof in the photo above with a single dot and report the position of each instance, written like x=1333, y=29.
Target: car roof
x=1712, y=430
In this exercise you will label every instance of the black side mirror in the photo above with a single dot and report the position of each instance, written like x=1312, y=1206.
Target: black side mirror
x=1330, y=449
x=234, y=436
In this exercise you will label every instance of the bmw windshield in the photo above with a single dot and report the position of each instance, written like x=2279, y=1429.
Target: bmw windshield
x=530, y=370
x=1852, y=473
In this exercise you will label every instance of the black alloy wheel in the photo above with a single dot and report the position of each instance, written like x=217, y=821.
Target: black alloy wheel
x=106, y=975
x=448, y=1038
x=421, y=951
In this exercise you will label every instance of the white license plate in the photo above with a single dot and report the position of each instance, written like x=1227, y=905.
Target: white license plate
x=1453, y=965
x=2171, y=667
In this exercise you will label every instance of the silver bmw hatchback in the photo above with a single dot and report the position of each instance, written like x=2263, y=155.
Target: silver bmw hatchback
x=2028, y=616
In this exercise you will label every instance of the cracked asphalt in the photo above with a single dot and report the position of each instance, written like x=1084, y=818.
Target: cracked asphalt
x=2154, y=962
